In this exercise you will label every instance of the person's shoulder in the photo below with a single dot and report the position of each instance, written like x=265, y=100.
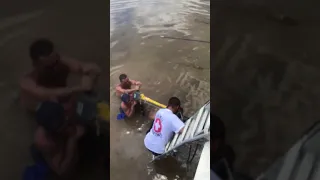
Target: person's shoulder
x=173, y=117
x=118, y=86
x=163, y=112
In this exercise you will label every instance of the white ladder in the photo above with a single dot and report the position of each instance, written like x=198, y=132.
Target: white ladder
x=196, y=127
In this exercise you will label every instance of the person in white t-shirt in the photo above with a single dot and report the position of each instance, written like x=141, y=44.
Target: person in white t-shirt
x=165, y=124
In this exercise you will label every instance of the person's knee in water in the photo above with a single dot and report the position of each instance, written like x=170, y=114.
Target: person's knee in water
x=55, y=139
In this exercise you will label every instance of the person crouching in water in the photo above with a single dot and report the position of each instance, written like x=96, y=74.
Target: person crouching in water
x=56, y=142
x=127, y=107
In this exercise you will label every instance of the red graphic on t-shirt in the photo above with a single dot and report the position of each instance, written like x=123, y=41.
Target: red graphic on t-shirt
x=157, y=125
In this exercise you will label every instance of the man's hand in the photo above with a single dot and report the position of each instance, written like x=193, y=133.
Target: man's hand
x=137, y=88
x=134, y=82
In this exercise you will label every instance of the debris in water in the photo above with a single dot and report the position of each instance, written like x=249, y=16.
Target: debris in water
x=168, y=25
x=169, y=79
x=128, y=132
x=195, y=48
x=142, y=43
x=139, y=129
x=203, y=41
x=177, y=177
x=149, y=169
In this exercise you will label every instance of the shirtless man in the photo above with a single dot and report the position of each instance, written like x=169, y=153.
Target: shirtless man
x=55, y=140
x=48, y=79
x=125, y=85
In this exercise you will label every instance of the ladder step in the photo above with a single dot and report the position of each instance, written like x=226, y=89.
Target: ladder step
x=196, y=122
x=207, y=125
x=305, y=167
x=176, y=136
x=194, y=129
x=186, y=127
x=197, y=116
x=289, y=162
x=316, y=171
x=173, y=143
x=183, y=135
x=201, y=123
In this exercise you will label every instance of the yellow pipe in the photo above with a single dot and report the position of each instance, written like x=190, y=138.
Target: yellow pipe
x=103, y=111
x=145, y=98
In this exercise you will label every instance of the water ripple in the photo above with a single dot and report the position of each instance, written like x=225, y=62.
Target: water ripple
x=154, y=17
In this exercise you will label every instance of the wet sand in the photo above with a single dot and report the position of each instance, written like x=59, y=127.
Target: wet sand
x=265, y=77
x=166, y=68
x=77, y=29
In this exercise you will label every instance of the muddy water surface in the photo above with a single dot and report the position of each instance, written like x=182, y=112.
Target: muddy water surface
x=74, y=33
x=166, y=67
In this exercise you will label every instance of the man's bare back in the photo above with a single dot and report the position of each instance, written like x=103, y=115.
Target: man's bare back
x=48, y=79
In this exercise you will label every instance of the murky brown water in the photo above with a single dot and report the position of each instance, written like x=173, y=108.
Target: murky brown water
x=266, y=77
x=74, y=33
x=166, y=67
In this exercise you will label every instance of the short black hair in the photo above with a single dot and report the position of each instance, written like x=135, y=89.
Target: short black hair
x=40, y=47
x=122, y=77
x=174, y=102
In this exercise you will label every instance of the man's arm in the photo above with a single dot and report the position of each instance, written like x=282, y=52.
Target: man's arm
x=152, y=115
x=177, y=124
x=181, y=130
x=134, y=82
x=127, y=91
x=81, y=67
x=29, y=85
x=130, y=111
